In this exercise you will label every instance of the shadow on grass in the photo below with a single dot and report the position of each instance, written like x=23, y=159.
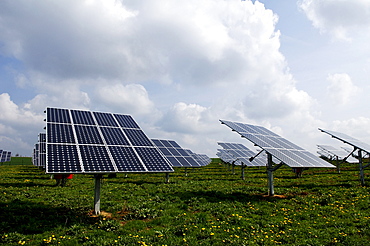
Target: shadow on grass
x=32, y=218
x=216, y=196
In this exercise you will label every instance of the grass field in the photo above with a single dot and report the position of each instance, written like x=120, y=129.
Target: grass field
x=210, y=206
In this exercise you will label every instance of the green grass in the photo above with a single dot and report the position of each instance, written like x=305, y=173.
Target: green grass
x=210, y=206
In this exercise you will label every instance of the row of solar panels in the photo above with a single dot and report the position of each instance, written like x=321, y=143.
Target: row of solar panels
x=5, y=156
x=79, y=141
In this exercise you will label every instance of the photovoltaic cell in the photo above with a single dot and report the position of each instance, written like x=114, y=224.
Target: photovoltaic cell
x=96, y=159
x=104, y=119
x=287, y=152
x=126, y=159
x=137, y=137
x=88, y=134
x=82, y=117
x=60, y=133
x=114, y=136
x=62, y=159
x=95, y=142
x=57, y=115
x=126, y=121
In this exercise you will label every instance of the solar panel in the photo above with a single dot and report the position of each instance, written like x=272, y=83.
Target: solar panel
x=227, y=157
x=333, y=152
x=242, y=153
x=175, y=154
x=202, y=159
x=348, y=140
x=79, y=141
x=3, y=156
x=9, y=156
x=42, y=150
x=282, y=149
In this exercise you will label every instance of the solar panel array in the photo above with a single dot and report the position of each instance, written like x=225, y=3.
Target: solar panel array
x=332, y=152
x=202, y=159
x=175, y=154
x=282, y=149
x=242, y=153
x=80, y=141
x=348, y=140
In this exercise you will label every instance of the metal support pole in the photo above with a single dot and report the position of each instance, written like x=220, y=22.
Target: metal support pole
x=270, y=175
x=362, y=177
x=167, y=177
x=338, y=164
x=243, y=166
x=98, y=178
x=186, y=171
x=233, y=169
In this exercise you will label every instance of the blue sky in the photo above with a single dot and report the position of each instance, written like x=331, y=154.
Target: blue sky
x=177, y=68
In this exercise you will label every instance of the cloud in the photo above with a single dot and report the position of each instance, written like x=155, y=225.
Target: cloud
x=18, y=126
x=177, y=67
x=341, y=88
x=126, y=99
x=339, y=18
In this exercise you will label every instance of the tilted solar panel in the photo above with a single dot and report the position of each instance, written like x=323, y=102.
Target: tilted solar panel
x=80, y=141
x=3, y=156
x=8, y=156
x=282, y=149
x=243, y=154
x=175, y=154
x=349, y=140
x=42, y=150
x=334, y=152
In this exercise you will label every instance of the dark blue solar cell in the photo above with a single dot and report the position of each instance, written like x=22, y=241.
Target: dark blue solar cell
x=167, y=143
x=59, y=133
x=114, y=136
x=153, y=160
x=126, y=160
x=191, y=161
x=182, y=152
x=62, y=159
x=105, y=119
x=42, y=147
x=137, y=137
x=88, y=135
x=174, y=144
x=174, y=162
x=42, y=160
x=174, y=152
x=126, y=121
x=82, y=117
x=165, y=151
x=183, y=161
x=42, y=137
x=157, y=142
x=95, y=159
x=57, y=115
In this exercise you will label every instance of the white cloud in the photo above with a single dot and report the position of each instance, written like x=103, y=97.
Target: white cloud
x=222, y=58
x=339, y=18
x=129, y=99
x=18, y=126
x=341, y=88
